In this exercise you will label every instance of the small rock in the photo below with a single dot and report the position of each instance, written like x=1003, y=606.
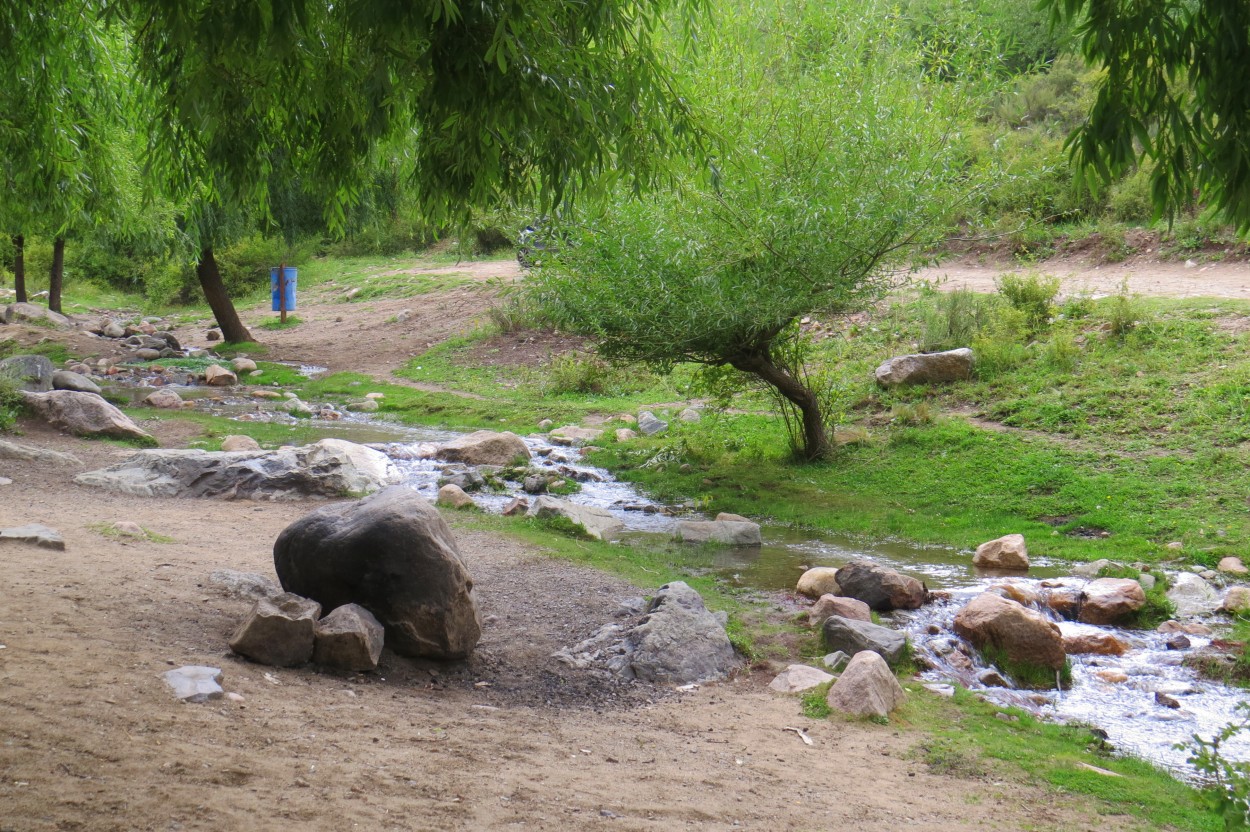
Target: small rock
x=1165, y=700
x=926, y=368
x=1192, y=595
x=366, y=406
x=943, y=690
x=165, y=398
x=690, y=415
x=128, y=529
x=574, y=435
x=835, y=660
x=799, y=677
x=112, y=329
x=69, y=380
x=1111, y=600
x=851, y=636
x=453, y=496
x=545, y=424
x=518, y=506
x=195, y=683
x=1112, y=677
x=650, y=425
x=147, y=354
x=991, y=678
x=818, y=581
x=1097, y=642
x=212, y=335
x=625, y=435
x=828, y=605
x=217, y=376
x=349, y=638
x=1231, y=565
x=278, y=632
x=243, y=365
x=1237, y=600
x=1175, y=546
x=1007, y=553
x=1093, y=567
x=238, y=442
x=248, y=585
x=1178, y=642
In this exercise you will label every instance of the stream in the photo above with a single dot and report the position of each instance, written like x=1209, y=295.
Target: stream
x=1127, y=711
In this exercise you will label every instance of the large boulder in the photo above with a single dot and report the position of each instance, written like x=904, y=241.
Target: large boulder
x=866, y=688
x=278, y=631
x=926, y=368
x=818, y=582
x=33, y=313
x=852, y=636
x=33, y=373
x=484, y=447
x=724, y=532
x=1111, y=600
x=1005, y=553
x=84, y=414
x=676, y=642
x=679, y=641
x=880, y=587
x=598, y=523
x=1192, y=595
x=393, y=554
x=1025, y=636
x=328, y=468
x=349, y=638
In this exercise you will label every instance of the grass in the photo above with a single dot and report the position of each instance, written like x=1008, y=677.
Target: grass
x=291, y=322
x=111, y=531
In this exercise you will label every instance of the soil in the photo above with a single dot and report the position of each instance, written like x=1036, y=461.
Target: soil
x=91, y=738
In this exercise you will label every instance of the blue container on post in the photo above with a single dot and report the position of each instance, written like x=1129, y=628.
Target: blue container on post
x=291, y=278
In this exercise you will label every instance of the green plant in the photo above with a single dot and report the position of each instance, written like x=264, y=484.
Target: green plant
x=815, y=704
x=907, y=413
x=277, y=323
x=1125, y=313
x=951, y=319
x=1062, y=351
x=1028, y=675
x=11, y=402
x=999, y=347
x=1032, y=294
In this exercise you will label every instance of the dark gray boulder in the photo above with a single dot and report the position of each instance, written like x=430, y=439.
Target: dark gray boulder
x=33, y=373
x=393, y=554
x=69, y=380
x=852, y=636
x=680, y=641
x=880, y=587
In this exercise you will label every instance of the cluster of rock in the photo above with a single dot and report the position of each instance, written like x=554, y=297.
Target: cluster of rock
x=386, y=566
x=482, y=456
x=67, y=400
x=288, y=630
x=676, y=641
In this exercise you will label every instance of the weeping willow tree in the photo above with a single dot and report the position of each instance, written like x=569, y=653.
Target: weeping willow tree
x=838, y=155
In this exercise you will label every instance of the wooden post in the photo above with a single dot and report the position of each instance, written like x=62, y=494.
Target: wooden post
x=282, y=293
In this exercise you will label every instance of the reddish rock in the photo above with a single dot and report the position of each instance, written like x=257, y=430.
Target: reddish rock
x=1006, y=553
x=833, y=605
x=1111, y=600
x=1099, y=643
x=1022, y=634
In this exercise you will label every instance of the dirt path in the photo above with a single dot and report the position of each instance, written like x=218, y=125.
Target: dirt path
x=1144, y=276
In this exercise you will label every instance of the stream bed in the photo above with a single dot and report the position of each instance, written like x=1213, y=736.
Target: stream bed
x=1126, y=710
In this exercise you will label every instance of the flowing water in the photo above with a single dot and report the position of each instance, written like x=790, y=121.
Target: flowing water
x=1126, y=711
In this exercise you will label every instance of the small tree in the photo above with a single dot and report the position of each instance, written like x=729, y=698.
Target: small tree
x=839, y=154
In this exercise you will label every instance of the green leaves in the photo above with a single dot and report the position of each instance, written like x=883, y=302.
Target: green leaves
x=1172, y=98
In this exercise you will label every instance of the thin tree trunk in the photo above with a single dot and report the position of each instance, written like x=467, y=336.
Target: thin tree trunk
x=232, y=328
x=816, y=442
x=19, y=267
x=56, y=277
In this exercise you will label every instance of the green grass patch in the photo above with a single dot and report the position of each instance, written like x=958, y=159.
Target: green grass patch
x=291, y=322
x=111, y=531
x=814, y=704
x=54, y=352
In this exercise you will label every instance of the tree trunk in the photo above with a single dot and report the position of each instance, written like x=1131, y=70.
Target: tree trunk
x=232, y=328
x=816, y=442
x=56, y=277
x=19, y=267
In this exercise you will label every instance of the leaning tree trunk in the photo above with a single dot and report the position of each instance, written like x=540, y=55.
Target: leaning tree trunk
x=232, y=329
x=816, y=442
x=56, y=276
x=19, y=267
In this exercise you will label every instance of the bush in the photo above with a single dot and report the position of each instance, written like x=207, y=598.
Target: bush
x=1033, y=295
x=1000, y=345
x=1062, y=351
x=1129, y=199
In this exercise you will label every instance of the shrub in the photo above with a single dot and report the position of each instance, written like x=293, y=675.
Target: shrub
x=1000, y=346
x=950, y=320
x=1033, y=294
x=1062, y=351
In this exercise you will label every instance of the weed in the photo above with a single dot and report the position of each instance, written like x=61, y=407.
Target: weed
x=1028, y=675
x=951, y=319
x=1062, y=351
x=918, y=413
x=1125, y=313
x=1229, y=792
x=11, y=402
x=814, y=702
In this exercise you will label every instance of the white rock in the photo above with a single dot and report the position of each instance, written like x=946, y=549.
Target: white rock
x=195, y=683
x=799, y=677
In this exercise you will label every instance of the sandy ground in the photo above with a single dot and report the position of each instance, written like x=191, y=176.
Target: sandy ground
x=91, y=739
